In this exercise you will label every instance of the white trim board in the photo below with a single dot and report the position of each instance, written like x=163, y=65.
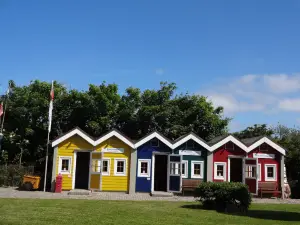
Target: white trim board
x=91, y=141
x=116, y=134
x=71, y=134
x=251, y=147
x=194, y=138
x=227, y=139
x=150, y=137
x=269, y=142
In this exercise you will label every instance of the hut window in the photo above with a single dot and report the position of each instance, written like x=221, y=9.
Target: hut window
x=105, y=166
x=65, y=165
x=144, y=167
x=96, y=165
x=120, y=167
x=197, y=169
x=174, y=168
x=220, y=171
x=154, y=143
x=270, y=172
x=184, y=169
x=250, y=171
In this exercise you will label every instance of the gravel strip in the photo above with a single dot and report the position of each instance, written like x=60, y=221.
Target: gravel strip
x=14, y=193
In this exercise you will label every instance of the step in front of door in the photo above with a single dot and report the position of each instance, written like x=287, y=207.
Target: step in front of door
x=161, y=194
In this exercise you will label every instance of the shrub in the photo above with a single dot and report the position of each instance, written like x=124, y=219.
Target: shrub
x=12, y=175
x=223, y=195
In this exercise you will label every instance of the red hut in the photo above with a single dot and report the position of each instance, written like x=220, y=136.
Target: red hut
x=258, y=162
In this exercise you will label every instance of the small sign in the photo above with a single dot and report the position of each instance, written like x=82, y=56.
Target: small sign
x=113, y=150
x=263, y=156
x=189, y=152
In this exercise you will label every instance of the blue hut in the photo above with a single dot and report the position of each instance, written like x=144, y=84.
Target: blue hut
x=153, y=155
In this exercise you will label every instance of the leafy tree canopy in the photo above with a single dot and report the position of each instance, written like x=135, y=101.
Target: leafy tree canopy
x=98, y=110
x=255, y=131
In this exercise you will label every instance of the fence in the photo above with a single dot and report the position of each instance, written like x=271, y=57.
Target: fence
x=12, y=175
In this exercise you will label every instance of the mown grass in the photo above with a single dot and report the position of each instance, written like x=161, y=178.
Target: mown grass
x=88, y=212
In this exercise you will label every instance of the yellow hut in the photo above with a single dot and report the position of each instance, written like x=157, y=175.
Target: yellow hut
x=101, y=164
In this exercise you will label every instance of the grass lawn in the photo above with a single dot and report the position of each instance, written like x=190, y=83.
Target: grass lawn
x=88, y=212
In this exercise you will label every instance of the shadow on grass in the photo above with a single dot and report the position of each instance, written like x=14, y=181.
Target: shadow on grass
x=270, y=215
x=258, y=214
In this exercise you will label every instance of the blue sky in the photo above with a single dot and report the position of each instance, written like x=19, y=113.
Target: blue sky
x=243, y=55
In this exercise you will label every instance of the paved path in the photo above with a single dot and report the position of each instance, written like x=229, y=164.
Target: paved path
x=13, y=193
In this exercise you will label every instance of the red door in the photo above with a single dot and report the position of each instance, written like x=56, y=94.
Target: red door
x=250, y=174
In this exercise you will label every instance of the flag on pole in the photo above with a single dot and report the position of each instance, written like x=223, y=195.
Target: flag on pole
x=51, y=107
x=9, y=90
x=49, y=130
x=1, y=109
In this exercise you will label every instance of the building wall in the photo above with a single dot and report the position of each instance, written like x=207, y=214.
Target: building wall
x=276, y=161
x=191, y=158
x=113, y=182
x=109, y=182
x=67, y=148
x=221, y=155
x=143, y=184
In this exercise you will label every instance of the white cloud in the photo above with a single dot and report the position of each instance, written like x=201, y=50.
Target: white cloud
x=260, y=93
x=292, y=104
x=247, y=79
x=232, y=105
x=282, y=83
x=159, y=71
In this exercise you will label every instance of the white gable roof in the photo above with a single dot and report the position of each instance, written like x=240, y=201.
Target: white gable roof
x=90, y=140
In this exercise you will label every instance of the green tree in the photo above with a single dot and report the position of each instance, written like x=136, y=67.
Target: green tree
x=100, y=109
x=255, y=131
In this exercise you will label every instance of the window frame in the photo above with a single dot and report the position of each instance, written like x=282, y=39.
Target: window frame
x=216, y=177
x=124, y=173
x=148, y=161
x=274, y=166
x=186, y=168
x=193, y=175
x=177, y=168
x=61, y=158
x=259, y=171
x=248, y=171
x=98, y=165
x=108, y=167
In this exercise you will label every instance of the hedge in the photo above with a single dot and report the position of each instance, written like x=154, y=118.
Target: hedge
x=12, y=175
x=224, y=195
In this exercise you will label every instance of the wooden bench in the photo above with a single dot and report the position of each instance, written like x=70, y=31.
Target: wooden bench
x=268, y=187
x=190, y=184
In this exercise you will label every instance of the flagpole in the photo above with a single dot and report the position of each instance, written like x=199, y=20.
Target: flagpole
x=4, y=112
x=46, y=165
x=49, y=130
x=2, y=122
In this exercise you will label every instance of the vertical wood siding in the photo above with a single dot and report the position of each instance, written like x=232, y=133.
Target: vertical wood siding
x=263, y=162
x=111, y=182
x=221, y=155
x=191, y=158
x=67, y=148
x=143, y=184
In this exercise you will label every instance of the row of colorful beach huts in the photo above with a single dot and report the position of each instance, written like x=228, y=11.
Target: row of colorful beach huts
x=113, y=162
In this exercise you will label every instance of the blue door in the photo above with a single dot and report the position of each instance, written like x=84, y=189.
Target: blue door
x=174, y=173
